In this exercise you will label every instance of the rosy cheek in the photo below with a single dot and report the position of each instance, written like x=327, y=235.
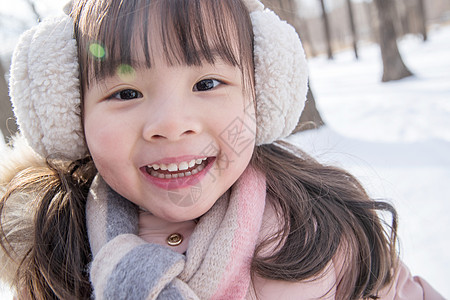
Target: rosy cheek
x=99, y=133
x=105, y=152
x=100, y=144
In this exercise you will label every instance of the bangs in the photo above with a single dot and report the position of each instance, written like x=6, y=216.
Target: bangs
x=187, y=32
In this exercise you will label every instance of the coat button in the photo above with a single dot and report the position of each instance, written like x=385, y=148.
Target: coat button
x=174, y=239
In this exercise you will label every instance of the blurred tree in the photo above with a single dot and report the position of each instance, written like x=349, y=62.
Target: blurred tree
x=423, y=19
x=7, y=121
x=352, y=28
x=372, y=20
x=326, y=27
x=310, y=117
x=393, y=66
x=308, y=43
x=412, y=17
x=402, y=20
x=287, y=10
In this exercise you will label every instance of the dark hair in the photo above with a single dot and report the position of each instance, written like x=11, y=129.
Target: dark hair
x=191, y=32
x=54, y=262
x=327, y=217
x=326, y=212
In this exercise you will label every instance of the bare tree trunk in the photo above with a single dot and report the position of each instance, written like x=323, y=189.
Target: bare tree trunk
x=310, y=117
x=286, y=9
x=352, y=28
x=303, y=32
x=372, y=21
x=401, y=20
x=7, y=121
x=423, y=19
x=393, y=65
x=326, y=26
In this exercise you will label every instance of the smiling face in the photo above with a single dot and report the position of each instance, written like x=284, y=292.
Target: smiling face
x=171, y=137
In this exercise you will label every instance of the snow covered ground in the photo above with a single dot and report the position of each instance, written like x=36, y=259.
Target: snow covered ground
x=395, y=137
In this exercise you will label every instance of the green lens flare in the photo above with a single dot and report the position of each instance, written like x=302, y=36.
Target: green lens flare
x=97, y=50
x=126, y=72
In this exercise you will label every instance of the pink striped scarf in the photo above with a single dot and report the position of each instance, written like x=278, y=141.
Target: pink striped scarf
x=217, y=263
x=222, y=245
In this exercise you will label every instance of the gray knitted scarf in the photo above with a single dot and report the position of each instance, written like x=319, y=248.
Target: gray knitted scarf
x=216, y=264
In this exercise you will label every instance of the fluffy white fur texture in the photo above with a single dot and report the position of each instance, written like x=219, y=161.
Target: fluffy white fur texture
x=44, y=85
x=44, y=89
x=17, y=157
x=253, y=5
x=281, y=76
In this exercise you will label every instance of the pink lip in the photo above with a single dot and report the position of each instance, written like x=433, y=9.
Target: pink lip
x=178, y=183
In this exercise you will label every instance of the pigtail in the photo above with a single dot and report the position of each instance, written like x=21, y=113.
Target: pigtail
x=327, y=217
x=51, y=262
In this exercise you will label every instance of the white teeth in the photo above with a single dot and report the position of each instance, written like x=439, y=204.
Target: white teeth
x=183, y=166
x=172, y=167
x=199, y=165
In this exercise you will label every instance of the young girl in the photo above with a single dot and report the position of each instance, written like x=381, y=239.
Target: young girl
x=166, y=179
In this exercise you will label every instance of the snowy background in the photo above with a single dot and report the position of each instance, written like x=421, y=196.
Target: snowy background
x=395, y=137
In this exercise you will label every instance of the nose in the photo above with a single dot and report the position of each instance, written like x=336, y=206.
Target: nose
x=171, y=120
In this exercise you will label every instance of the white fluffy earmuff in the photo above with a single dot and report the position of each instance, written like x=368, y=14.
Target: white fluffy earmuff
x=44, y=84
x=44, y=89
x=281, y=74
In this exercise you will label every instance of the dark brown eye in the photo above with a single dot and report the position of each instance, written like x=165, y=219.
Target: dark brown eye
x=127, y=94
x=205, y=85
